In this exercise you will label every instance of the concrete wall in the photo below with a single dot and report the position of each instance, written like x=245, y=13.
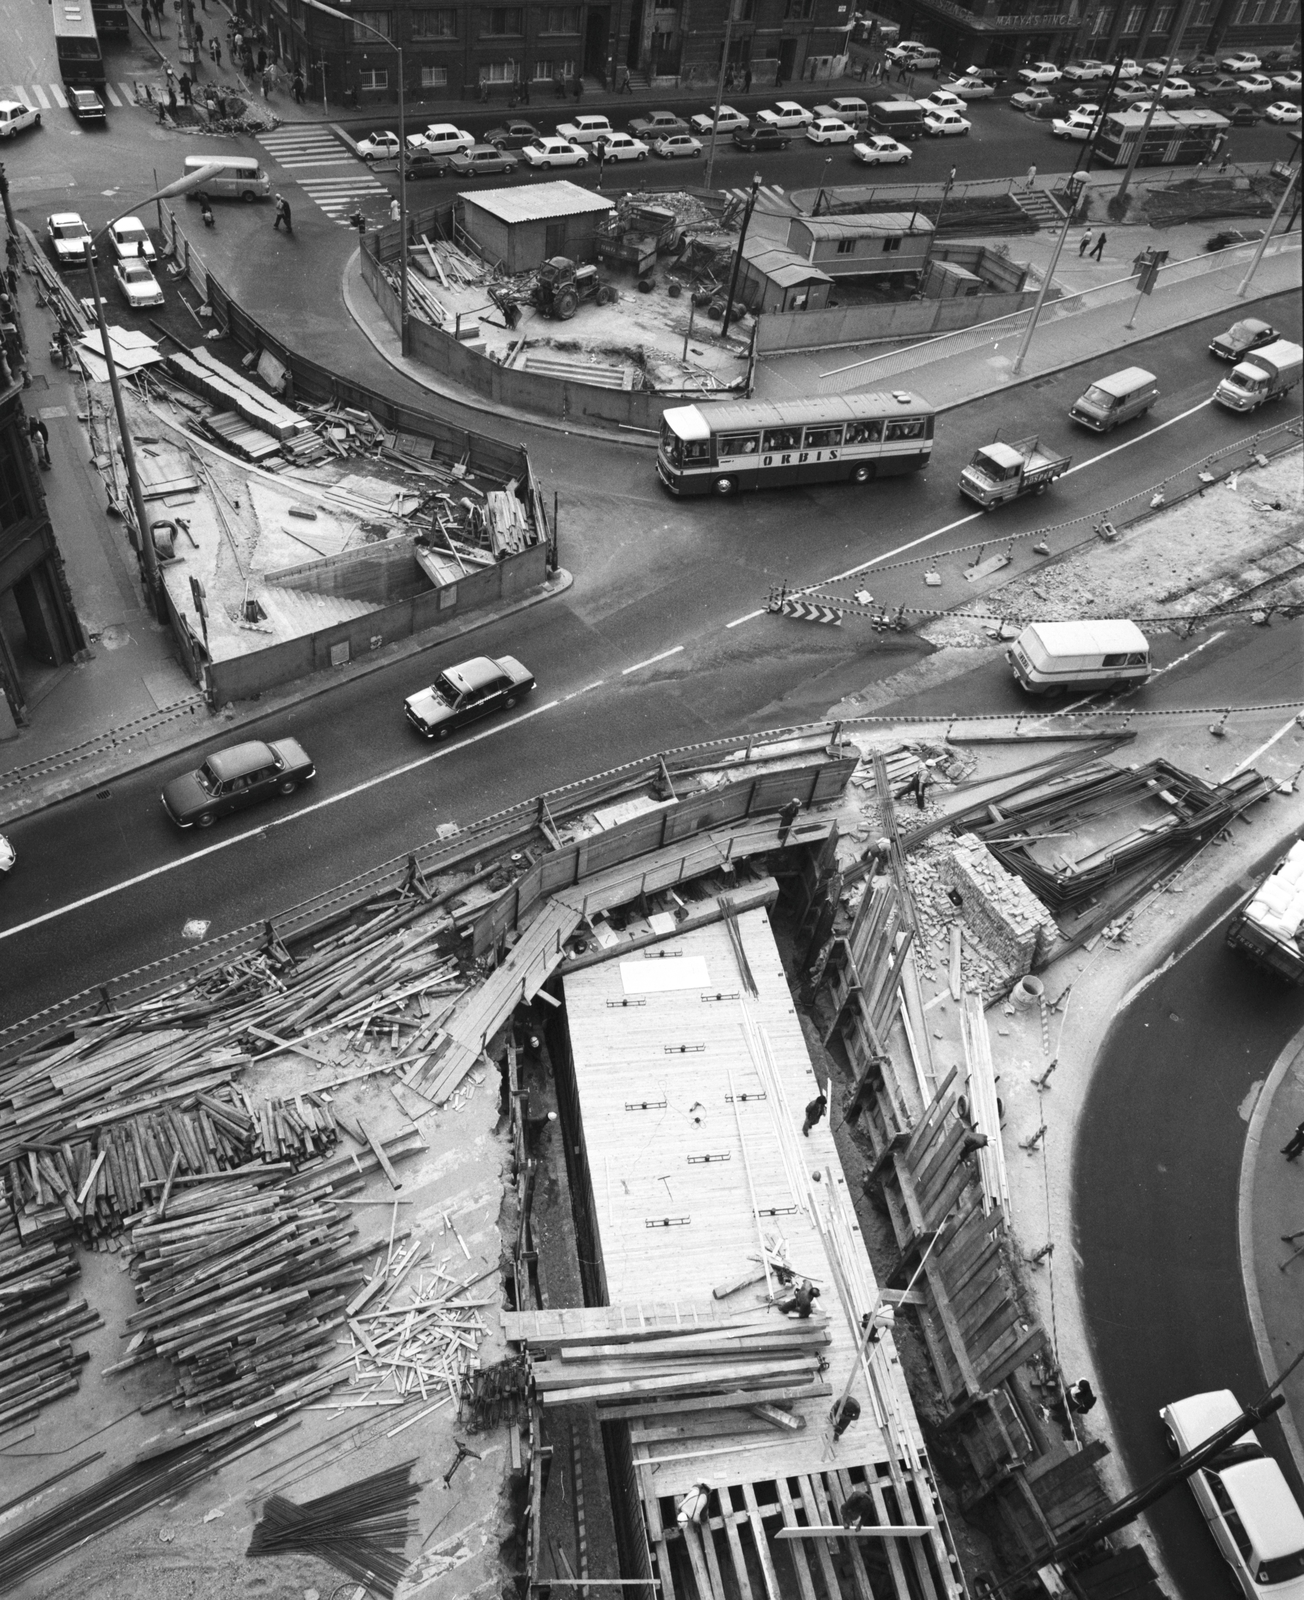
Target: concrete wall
x=852, y=325
x=382, y=573
x=242, y=677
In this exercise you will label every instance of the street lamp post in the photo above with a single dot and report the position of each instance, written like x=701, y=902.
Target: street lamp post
x=1076, y=181
x=937, y=228
x=1271, y=229
x=742, y=239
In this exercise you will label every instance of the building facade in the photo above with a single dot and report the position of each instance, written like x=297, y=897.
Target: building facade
x=485, y=50
x=38, y=623
x=1006, y=33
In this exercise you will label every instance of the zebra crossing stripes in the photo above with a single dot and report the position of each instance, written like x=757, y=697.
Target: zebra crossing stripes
x=768, y=195
x=338, y=197
x=51, y=95
x=311, y=155
x=311, y=146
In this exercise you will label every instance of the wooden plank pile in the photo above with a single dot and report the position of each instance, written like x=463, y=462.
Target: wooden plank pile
x=754, y=1360
x=242, y=1286
x=38, y=1319
x=200, y=371
x=508, y=526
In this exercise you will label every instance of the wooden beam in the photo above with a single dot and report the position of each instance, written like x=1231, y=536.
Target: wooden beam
x=835, y=1530
x=805, y=1582
x=737, y=1400
x=757, y=1524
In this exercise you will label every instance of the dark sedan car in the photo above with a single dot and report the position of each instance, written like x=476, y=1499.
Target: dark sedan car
x=479, y=160
x=513, y=135
x=417, y=167
x=86, y=105
x=1247, y=334
x=1223, y=87
x=466, y=692
x=761, y=137
x=1242, y=116
x=232, y=779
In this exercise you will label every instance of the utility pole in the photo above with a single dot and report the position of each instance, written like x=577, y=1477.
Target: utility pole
x=937, y=228
x=1271, y=229
x=742, y=239
x=1089, y=144
x=719, y=91
x=1076, y=181
x=1117, y=203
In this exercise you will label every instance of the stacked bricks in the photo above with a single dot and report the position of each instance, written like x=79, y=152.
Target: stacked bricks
x=1000, y=909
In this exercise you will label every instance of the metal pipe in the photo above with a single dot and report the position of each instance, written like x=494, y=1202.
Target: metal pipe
x=1116, y=204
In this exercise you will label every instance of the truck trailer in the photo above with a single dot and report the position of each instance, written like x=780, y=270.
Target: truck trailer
x=1266, y=926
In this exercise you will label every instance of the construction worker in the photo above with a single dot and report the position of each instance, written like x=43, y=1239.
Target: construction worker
x=849, y=1413
x=692, y=1508
x=787, y=816
x=814, y=1111
x=801, y=1302
x=859, y=1508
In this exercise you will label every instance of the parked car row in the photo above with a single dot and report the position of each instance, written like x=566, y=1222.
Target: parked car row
x=72, y=244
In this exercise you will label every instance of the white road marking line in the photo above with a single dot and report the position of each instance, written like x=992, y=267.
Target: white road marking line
x=113, y=98
x=1255, y=754
x=1158, y=673
x=1128, y=443
x=59, y=98
x=576, y=693
x=651, y=660
x=275, y=822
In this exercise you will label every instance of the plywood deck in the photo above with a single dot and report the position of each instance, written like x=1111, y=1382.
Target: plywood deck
x=676, y=1110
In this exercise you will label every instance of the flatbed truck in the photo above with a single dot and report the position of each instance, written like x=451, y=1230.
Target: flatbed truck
x=1001, y=472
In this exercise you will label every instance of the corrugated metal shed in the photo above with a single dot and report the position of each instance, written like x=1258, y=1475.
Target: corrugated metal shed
x=539, y=204
x=784, y=267
x=860, y=227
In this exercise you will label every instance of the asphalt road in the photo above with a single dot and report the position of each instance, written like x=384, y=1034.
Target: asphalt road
x=1161, y=1139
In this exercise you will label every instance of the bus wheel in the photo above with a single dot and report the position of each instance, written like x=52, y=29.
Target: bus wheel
x=724, y=486
x=1041, y=488
x=862, y=473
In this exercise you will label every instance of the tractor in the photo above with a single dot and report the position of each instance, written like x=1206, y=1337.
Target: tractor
x=561, y=285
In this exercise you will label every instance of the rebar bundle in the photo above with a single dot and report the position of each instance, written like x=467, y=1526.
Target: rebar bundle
x=361, y=1530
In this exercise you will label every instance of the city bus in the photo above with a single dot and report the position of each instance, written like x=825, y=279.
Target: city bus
x=1174, y=138
x=763, y=444
x=111, y=18
x=78, y=44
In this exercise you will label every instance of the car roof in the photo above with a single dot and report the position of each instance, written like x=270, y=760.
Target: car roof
x=1249, y=325
x=123, y=223
x=62, y=219
x=239, y=759
x=14, y=105
x=1201, y=1415
x=476, y=673
x=1268, y=1511
x=1098, y=636
x=135, y=266
x=1124, y=382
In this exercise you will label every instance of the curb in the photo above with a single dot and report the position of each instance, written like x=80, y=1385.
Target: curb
x=1293, y=1052
x=96, y=774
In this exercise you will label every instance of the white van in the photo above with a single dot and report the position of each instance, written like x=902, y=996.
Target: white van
x=1115, y=399
x=848, y=108
x=1059, y=657
x=241, y=178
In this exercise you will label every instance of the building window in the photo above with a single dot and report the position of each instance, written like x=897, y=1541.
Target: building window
x=498, y=72
x=15, y=503
x=506, y=23
x=1203, y=14
x=547, y=71
x=798, y=10
x=1102, y=22
x=890, y=245
x=1135, y=17
x=745, y=10
x=434, y=77
x=434, y=24
x=365, y=21
x=373, y=78
x=1164, y=19
x=559, y=19
x=846, y=247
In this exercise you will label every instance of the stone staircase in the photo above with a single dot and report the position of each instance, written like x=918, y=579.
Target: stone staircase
x=1041, y=206
x=293, y=612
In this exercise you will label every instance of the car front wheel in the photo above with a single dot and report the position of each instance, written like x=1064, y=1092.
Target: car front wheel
x=286, y=786
x=205, y=819
x=509, y=702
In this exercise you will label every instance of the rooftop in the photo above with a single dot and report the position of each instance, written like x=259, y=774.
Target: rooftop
x=539, y=204
x=860, y=226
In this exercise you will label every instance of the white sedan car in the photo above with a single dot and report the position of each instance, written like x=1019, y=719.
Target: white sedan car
x=970, y=88
x=549, y=151
x=942, y=100
x=1177, y=91
x=129, y=239
x=677, y=144
x=943, y=123
x=138, y=284
x=729, y=119
x=1256, y=83
x=1039, y=72
x=621, y=147
x=15, y=115
x=70, y=239
x=1288, y=81
x=1077, y=125
x=786, y=114
x=1285, y=112
x=1243, y=61
x=880, y=151
x=380, y=147
x=830, y=130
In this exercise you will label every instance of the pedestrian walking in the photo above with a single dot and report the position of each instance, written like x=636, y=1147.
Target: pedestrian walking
x=186, y=89
x=1085, y=241
x=158, y=17
x=172, y=101
x=849, y=1413
x=282, y=215
x=199, y=35
x=1082, y=1397
x=237, y=42
x=747, y=80
x=395, y=211
x=626, y=87
x=1099, y=248
x=1296, y=1143
x=1031, y=178
x=144, y=19
x=268, y=79
x=814, y=1111
x=559, y=88
x=11, y=271
x=787, y=816
x=525, y=90
x=578, y=88
x=901, y=72
x=1226, y=158
x=296, y=88
x=170, y=76
x=39, y=434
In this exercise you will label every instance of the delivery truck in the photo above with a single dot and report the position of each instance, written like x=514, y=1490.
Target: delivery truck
x=1001, y=472
x=1266, y=926
x=1265, y=374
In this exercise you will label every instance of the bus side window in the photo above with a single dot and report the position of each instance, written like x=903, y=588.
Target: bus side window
x=864, y=432
x=738, y=444
x=781, y=439
x=908, y=428
x=697, y=450
x=822, y=438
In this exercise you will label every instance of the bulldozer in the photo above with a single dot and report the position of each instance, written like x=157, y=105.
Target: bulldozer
x=561, y=285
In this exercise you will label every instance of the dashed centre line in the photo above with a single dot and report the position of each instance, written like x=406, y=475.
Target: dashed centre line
x=651, y=660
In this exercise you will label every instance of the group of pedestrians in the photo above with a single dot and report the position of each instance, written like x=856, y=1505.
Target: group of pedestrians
x=1084, y=244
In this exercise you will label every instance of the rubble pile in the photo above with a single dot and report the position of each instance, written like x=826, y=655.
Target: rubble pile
x=1008, y=919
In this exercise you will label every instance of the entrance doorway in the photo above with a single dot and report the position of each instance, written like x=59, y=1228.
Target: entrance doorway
x=596, y=34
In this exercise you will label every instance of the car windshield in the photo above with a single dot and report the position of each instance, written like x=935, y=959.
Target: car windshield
x=206, y=778
x=70, y=230
x=1281, y=1568
x=446, y=689
x=130, y=235
x=135, y=273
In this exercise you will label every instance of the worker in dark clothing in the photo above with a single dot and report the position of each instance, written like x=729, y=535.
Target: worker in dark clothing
x=801, y=1301
x=1082, y=1397
x=39, y=434
x=1295, y=1144
x=814, y=1111
x=849, y=1413
x=787, y=816
x=859, y=1508
x=282, y=215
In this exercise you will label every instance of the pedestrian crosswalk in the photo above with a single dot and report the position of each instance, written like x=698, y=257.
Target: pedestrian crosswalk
x=769, y=197
x=325, y=169
x=50, y=96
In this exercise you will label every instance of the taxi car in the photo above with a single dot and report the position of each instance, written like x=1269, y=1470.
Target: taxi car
x=467, y=692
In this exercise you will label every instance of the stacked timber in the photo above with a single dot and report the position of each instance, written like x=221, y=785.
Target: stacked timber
x=38, y=1319
x=748, y=1362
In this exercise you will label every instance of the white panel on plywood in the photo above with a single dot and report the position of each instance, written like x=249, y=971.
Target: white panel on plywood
x=658, y=975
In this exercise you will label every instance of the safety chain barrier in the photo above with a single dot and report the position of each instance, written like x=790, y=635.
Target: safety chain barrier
x=109, y=740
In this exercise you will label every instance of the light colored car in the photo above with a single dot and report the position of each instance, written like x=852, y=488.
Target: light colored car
x=1077, y=125
x=443, y=139
x=1286, y=81
x=1088, y=70
x=971, y=88
x=786, y=114
x=830, y=130
x=1243, y=1495
x=1154, y=69
x=906, y=50
x=676, y=145
x=550, y=151
x=379, y=147
x=729, y=119
x=415, y=145
x=70, y=239
x=1256, y=83
x=880, y=151
x=622, y=147
x=15, y=116
x=942, y=100
x=657, y=125
x=585, y=130
x=481, y=160
x=1285, y=112
x=138, y=284
x=1025, y=99
x=1177, y=91
x=8, y=855
x=129, y=240
x=1039, y=72
x=944, y=124
x=1129, y=69
x=1242, y=61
